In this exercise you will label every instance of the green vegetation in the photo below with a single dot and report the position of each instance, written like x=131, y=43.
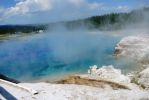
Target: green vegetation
x=12, y=29
x=111, y=21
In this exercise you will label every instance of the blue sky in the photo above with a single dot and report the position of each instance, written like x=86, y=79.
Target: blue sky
x=44, y=11
x=7, y=3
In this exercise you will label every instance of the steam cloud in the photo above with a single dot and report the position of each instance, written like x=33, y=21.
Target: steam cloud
x=62, y=51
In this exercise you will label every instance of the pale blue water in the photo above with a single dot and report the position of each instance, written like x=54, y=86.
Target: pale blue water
x=49, y=54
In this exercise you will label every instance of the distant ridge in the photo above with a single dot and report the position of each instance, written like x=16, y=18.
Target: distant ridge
x=102, y=22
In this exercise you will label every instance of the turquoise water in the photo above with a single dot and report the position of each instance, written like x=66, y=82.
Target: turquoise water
x=55, y=53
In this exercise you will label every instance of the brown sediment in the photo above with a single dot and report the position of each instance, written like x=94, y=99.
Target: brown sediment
x=92, y=82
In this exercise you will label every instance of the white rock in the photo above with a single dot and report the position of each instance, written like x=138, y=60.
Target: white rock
x=144, y=78
x=135, y=47
x=73, y=92
x=92, y=69
x=110, y=73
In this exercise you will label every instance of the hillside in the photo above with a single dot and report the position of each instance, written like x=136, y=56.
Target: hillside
x=105, y=22
x=113, y=21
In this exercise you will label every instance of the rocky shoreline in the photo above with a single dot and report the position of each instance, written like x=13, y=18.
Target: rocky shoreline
x=136, y=48
x=103, y=83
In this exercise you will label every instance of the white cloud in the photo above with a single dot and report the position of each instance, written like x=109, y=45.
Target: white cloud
x=96, y=5
x=1, y=13
x=1, y=10
x=77, y=2
x=84, y=3
x=28, y=8
x=123, y=8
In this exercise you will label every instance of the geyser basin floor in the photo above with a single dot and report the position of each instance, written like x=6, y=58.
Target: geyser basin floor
x=56, y=54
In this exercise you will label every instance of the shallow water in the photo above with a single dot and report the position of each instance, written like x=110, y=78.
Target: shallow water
x=55, y=54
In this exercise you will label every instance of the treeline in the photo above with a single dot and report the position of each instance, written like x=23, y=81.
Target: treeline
x=111, y=21
x=12, y=29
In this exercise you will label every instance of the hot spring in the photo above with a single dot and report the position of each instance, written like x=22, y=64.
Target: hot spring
x=56, y=54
